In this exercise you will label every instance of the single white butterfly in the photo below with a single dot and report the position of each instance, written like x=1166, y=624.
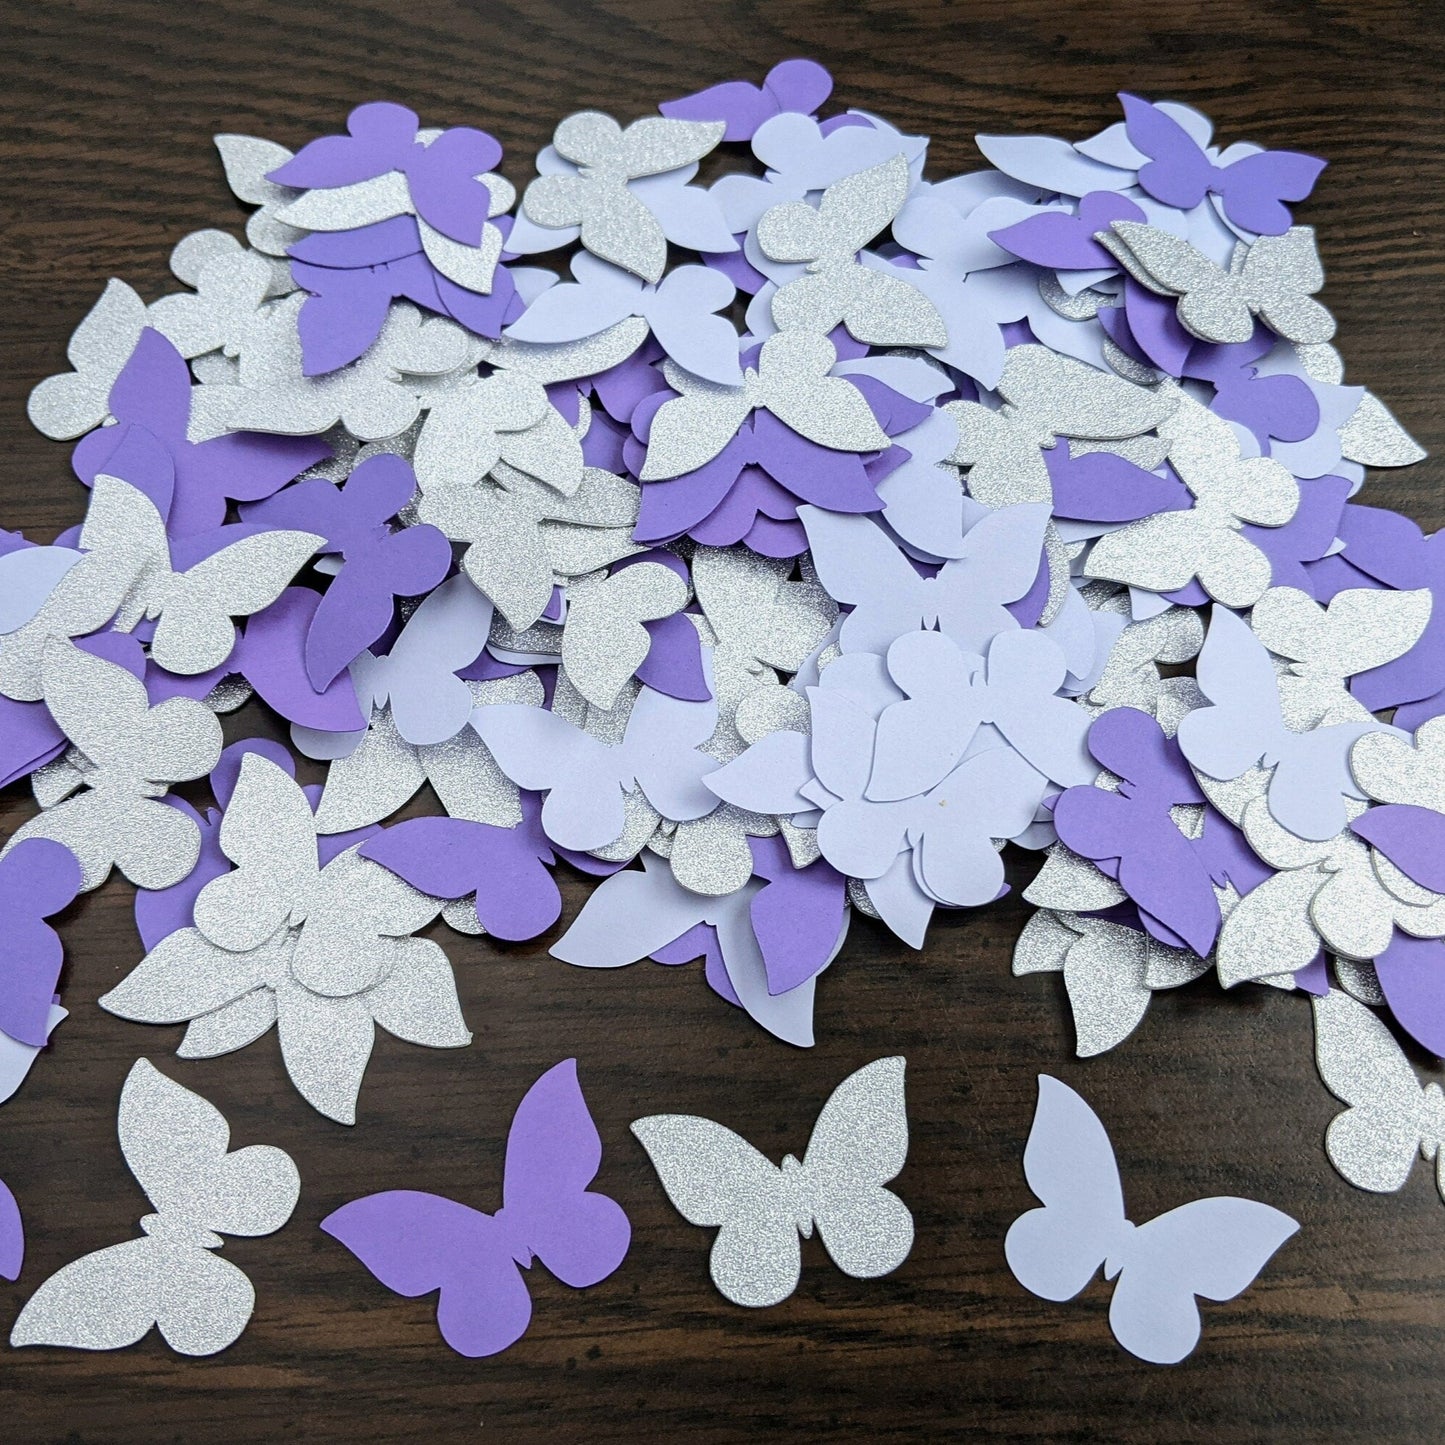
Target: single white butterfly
x=858, y=1145
x=1210, y=1248
x=175, y=1144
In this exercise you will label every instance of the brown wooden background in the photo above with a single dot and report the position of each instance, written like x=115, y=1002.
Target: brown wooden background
x=108, y=107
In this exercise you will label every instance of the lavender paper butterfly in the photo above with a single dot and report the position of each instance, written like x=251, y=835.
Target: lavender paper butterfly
x=792, y=86
x=38, y=877
x=415, y=1242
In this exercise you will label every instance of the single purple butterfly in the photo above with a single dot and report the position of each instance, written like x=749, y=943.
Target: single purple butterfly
x=1066, y=242
x=1180, y=174
x=415, y=1242
x=792, y=86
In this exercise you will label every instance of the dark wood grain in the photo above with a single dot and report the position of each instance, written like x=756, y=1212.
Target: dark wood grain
x=108, y=110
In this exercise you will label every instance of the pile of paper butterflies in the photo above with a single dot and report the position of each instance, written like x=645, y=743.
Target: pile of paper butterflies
x=774, y=549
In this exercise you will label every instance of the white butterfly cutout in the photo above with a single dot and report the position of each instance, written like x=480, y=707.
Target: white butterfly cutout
x=70, y=404
x=126, y=755
x=1210, y=1248
x=1110, y=972
x=321, y=952
x=1165, y=551
x=997, y=562
x=504, y=418
x=858, y=1145
x=679, y=310
x=1273, y=277
x=1244, y=726
x=878, y=309
x=586, y=780
x=1325, y=645
x=175, y=1144
x=1392, y=1118
x=595, y=196
x=791, y=380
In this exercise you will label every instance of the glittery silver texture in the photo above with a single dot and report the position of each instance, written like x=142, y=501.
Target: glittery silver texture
x=859, y=1143
x=1273, y=277
x=175, y=1144
x=1046, y=396
x=1131, y=676
x=615, y=223
x=1164, y=551
x=554, y=361
x=133, y=752
x=710, y=855
x=1391, y=770
x=1359, y=979
x=791, y=380
x=503, y=417
x=878, y=308
x=193, y=253
x=68, y=405
x=858, y=897
x=1122, y=364
x=247, y=161
x=1373, y=1142
x=230, y=291
x=1374, y=438
x=1080, y=306
x=1104, y=975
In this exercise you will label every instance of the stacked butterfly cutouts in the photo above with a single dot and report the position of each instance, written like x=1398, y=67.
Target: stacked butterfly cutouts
x=774, y=550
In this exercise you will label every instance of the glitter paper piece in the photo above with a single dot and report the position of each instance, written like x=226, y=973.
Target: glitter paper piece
x=415, y=1242
x=175, y=1144
x=716, y=1178
x=1209, y=1248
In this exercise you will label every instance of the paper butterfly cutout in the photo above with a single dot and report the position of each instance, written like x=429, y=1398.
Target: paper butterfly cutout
x=175, y=1144
x=1274, y=278
x=1210, y=1248
x=12, y=1235
x=415, y=1242
x=797, y=86
x=28, y=576
x=1391, y=1117
x=38, y=878
x=16, y=1058
x=1180, y=174
x=714, y=1177
x=129, y=753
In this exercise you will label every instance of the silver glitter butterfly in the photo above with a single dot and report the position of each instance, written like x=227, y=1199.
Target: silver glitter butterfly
x=175, y=1144
x=321, y=953
x=859, y=1143
x=1392, y=1118
x=791, y=380
x=1165, y=551
x=1273, y=277
x=106, y=806
x=615, y=222
x=877, y=309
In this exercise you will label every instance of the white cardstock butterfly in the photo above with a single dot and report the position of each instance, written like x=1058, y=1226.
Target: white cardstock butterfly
x=1212, y=1248
x=175, y=1143
x=859, y=1143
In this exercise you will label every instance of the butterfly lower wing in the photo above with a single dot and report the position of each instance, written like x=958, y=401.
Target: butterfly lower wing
x=102, y=1301
x=415, y=1242
x=713, y=1177
x=204, y=1302
x=1212, y=1248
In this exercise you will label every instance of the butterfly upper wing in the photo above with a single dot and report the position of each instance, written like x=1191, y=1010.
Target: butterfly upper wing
x=1280, y=273
x=175, y=1144
x=1212, y=1248
x=1244, y=719
x=661, y=751
x=269, y=833
x=553, y=1154
x=858, y=564
x=1075, y=399
x=859, y=1143
x=1177, y=172
x=415, y=1242
x=1373, y=1143
x=713, y=1177
x=1069, y=1164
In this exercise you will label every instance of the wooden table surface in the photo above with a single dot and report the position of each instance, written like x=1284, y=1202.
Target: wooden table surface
x=108, y=107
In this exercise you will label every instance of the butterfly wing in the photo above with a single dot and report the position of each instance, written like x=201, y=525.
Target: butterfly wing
x=713, y=1177
x=1212, y=1248
x=1177, y=172
x=102, y=1301
x=1069, y=1164
x=204, y=1302
x=269, y=833
x=1253, y=187
x=661, y=747
x=175, y=1144
x=604, y=641
x=1280, y=275
x=415, y=1243
x=1075, y=399
x=858, y=1144
x=553, y=1154
x=1373, y=1143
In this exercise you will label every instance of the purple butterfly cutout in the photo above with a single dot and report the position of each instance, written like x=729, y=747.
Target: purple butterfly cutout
x=415, y=1243
x=378, y=565
x=382, y=137
x=797, y=917
x=1412, y=977
x=1180, y=174
x=1156, y=864
x=1066, y=242
x=189, y=482
x=38, y=878
x=12, y=1235
x=1411, y=837
x=1103, y=487
x=795, y=86
x=1306, y=537
x=507, y=868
